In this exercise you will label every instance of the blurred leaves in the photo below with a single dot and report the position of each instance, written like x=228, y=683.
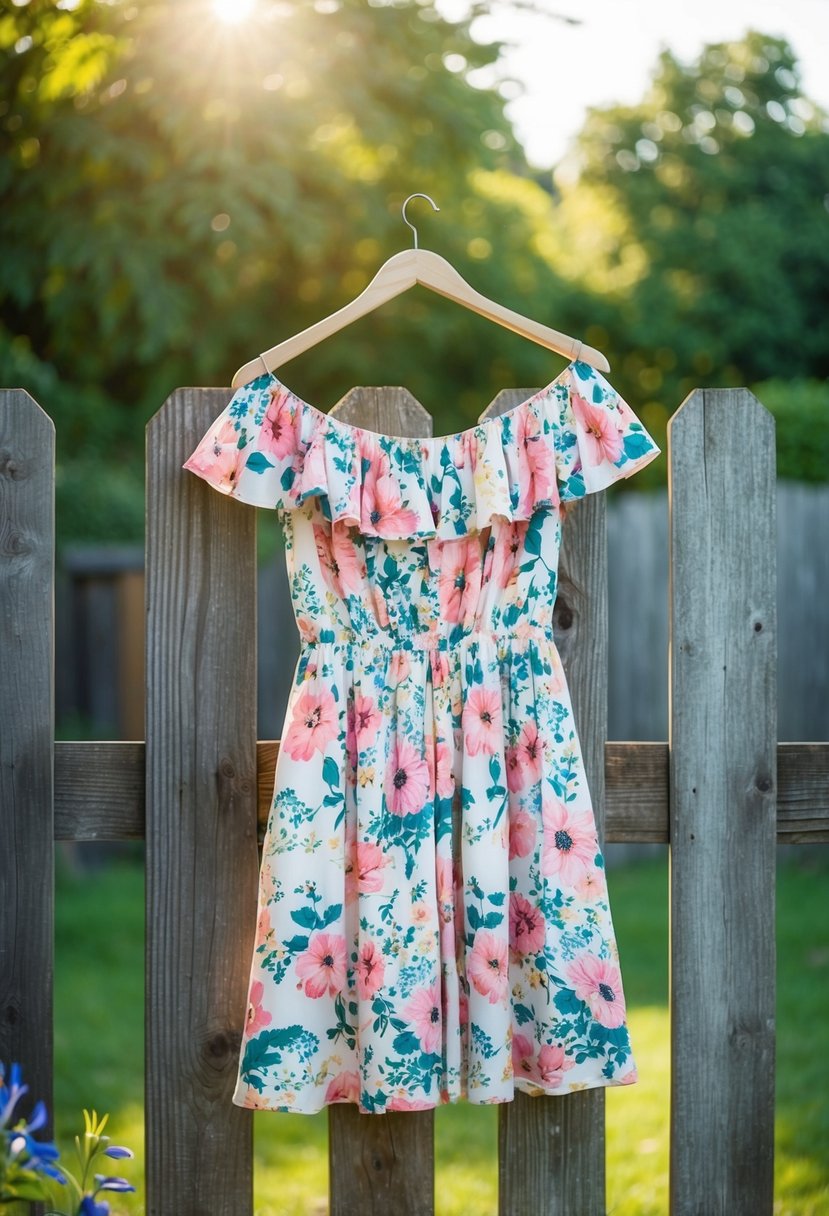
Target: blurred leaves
x=698, y=218
x=180, y=194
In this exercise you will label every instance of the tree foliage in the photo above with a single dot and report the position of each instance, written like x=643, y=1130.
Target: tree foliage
x=180, y=195
x=697, y=219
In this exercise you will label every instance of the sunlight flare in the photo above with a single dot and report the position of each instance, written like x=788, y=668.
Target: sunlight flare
x=233, y=12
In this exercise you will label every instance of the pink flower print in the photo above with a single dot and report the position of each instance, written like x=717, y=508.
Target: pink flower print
x=487, y=966
x=521, y=834
x=522, y=1054
x=263, y=926
x=345, y=1087
x=482, y=726
x=307, y=628
x=340, y=561
x=463, y=1008
x=440, y=665
x=445, y=887
x=531, y=751
x=537, y=471
x=407, y=779
x=507, y=551
x=459, y=582
x=381, y=610
x=591, y=886
x=569, y=842
x=366, y=876
x=445, y=781
x=367, y=720
x=322, y=965
x=218, y=458
x=400, y=1103
x=279, y=426
x=313, y=722
x=515, y=770
x=524, y=759
x=257, y=1017
x=370, y=970
x=601, y=437
x=383, y=511
x=399, y=667
x=598, y=982
x=553, y=1062
x=423, y=1011
x=526, y=925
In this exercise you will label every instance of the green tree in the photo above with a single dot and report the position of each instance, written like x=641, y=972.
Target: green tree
x=181, y=194
x=696, y=222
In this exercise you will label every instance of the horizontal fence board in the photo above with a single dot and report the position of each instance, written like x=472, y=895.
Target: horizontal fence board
x=99, y=791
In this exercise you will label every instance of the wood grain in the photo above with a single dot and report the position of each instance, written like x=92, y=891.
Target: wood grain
x=27, y=732
x=551, y=1150
x=99, y=791
x=381, y=1163
x=723, y=790
x=201, y=795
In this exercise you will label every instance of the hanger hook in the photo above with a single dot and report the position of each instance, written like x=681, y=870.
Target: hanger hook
x=411, y=225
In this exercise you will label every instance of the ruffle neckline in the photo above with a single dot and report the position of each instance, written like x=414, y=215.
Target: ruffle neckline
x=326, y=419
x=272, y=449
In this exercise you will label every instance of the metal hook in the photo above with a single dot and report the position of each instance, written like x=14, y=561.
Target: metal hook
x=411, y=225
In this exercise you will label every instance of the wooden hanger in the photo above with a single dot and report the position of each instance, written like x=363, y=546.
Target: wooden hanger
x=400, y=272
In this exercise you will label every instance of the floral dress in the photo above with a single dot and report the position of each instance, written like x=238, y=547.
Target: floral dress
x=433, y=916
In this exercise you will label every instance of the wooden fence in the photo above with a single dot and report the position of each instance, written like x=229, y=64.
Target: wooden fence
x=721, y=791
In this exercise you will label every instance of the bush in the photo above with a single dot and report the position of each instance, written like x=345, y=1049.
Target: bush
x=801, y=414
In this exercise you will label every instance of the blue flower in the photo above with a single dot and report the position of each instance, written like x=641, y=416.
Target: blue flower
x=90, y=1208
x=116, y=1150
x=29, y=1153
x=106, y=1183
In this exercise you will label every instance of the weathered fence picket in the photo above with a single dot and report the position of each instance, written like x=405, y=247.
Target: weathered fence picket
x=199, y=790
x=723, y=803
x=27, y=733
x=200, y=823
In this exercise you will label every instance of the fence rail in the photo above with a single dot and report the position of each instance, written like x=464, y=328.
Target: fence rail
x=198, y=790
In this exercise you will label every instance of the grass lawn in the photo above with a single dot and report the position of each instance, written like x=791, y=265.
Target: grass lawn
x=99, y=1053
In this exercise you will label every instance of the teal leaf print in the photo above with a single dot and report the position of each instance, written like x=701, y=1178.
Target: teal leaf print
x=330, y=915
x=532, y=537
x=331, y=772
x=258, y=462
x=406, y=1043
x=307, y=917
x=400, y=627
x=263, y=1051
x=566, y=1001
x=636, y=444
